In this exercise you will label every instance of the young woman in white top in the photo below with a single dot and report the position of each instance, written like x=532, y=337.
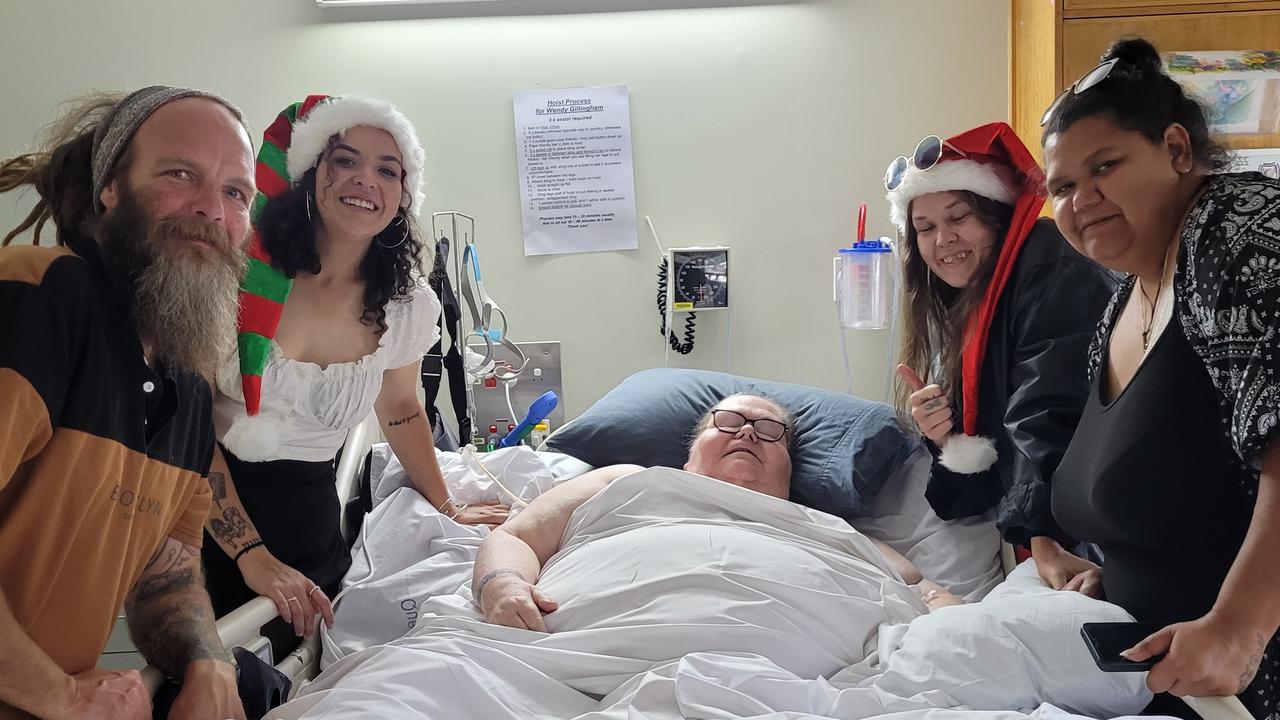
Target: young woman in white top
x=354, y=328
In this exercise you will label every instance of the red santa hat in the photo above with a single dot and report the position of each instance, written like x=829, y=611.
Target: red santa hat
x=991, y=161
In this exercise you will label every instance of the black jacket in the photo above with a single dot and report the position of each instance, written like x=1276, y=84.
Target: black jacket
x=1033, y=386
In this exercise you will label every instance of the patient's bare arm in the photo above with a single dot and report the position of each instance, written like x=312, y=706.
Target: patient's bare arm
x=935, y=595
x=511, y=558
x=907, y=569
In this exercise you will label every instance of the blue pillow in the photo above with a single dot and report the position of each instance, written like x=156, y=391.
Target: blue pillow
x=846, y=447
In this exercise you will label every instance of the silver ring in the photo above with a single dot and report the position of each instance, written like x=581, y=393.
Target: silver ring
x=292, y=599
x=313, y=589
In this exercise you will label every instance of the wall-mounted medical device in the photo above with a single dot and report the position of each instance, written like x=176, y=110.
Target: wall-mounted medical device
x=699, y=279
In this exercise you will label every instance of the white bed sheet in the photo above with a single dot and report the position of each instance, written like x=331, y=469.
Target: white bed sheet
x=962, y=555
x=686, y=597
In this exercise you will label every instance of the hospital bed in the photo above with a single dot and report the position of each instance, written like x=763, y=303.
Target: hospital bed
x=900, y=516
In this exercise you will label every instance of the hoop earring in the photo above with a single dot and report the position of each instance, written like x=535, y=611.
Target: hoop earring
x=403, y=237
x=308, y=206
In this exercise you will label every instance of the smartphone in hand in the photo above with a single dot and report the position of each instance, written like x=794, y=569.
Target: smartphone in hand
x=1106, y=640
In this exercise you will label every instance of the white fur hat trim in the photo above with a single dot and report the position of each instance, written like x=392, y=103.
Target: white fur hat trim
x=331, y=117
x=968, y=454
x=996, y=181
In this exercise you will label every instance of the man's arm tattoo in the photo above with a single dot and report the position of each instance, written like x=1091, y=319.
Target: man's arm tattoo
x=404, y=420
x=168, y=610
x=492, y=575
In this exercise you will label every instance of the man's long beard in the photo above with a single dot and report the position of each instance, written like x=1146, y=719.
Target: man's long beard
x=183, y=300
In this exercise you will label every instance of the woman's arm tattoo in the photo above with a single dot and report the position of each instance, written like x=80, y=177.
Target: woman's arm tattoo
x=404, y=420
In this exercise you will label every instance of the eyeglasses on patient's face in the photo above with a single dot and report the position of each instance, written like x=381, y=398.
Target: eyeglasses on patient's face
x=731, y=421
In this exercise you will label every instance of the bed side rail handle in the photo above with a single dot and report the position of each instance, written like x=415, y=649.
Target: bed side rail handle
x=1219, y=708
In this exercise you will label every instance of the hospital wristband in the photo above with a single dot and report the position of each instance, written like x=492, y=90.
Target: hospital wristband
x=245, y=549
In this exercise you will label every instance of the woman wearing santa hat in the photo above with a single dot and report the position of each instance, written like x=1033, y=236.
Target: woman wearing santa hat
x=1174, y=470
x=998, y=313
x=335, y=319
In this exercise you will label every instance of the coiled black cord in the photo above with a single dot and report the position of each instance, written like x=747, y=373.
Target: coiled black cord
x=689, y=322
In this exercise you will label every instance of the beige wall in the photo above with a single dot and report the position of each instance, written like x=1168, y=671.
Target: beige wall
x=757, y=127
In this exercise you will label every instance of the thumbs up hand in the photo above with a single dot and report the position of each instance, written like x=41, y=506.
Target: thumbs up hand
x=929, y=407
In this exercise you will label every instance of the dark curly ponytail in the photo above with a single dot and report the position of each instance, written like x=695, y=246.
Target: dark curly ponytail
x=1139, y=96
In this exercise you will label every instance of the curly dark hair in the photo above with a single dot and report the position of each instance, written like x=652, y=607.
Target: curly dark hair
x=288, y=236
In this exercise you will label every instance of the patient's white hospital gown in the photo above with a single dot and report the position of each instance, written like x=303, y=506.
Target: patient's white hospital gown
x=680, y=596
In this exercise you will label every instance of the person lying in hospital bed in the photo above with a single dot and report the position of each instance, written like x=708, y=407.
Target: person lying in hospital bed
x=700, y=593
x=745, y=440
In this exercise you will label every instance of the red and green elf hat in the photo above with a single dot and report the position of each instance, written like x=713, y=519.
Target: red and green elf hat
x=264, y=289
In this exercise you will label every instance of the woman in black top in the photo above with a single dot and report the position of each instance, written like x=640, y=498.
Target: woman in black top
x=1175, y=469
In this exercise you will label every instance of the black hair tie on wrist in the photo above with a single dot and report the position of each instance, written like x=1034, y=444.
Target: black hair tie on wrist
x=245, y=549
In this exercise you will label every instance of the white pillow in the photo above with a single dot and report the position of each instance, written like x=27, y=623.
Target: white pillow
x=961, y=555
x=1016, y=649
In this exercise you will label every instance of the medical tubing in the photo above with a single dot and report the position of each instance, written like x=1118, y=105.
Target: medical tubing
x=473, y=456
x=689, y=322
x=896, y=298
x=506, y=387
x=728, y=341
x=844, y=340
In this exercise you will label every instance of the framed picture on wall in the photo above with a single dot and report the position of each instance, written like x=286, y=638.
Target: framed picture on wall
x=1263, y=160
x=1240, y=91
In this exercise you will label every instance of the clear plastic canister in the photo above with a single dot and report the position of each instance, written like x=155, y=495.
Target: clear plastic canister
x=864, y=289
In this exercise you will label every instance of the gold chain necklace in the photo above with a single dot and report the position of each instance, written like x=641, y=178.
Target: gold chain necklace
x=1146, y=331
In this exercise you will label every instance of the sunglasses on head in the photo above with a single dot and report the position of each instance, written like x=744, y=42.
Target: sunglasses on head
x=1086, y=81
x=928, y=153
x=767, y=429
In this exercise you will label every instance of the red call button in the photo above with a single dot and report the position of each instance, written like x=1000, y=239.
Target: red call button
x=491, y=382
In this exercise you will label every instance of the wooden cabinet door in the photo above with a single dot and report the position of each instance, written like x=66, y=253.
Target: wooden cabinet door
x=1084, y=41
x=1097, y=8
